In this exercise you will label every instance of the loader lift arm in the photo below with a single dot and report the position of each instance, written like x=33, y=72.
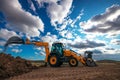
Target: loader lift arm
x=44, y=44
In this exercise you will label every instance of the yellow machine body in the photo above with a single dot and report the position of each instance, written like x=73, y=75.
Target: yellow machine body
x=52, y=59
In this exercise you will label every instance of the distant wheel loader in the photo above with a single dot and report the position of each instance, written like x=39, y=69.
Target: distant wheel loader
x=58, y=54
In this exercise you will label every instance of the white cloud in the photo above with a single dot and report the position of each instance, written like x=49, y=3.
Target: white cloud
x=108, y=50
x=57, y=10
x=66, y=34
x=69, y=35
x=115, y=41
x=70, y=22
x=40, y=51
x=16, y=50
x=43, y=53
x=87, y=44
x=31, y=5
x=90, y=36
x=69, y=32
x=38, y=48
x=49, y=38
x=113, y=35
x=116, y=51
x=108, y=22
x=77, y=18
x=6, y=34
x=21, y=20
x=36, y=53
x=2, y=43
x=65, y=41
x=1, y=49
x=41, y=2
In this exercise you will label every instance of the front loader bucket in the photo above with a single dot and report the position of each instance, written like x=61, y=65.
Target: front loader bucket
x=90, y=63
x=14, y=40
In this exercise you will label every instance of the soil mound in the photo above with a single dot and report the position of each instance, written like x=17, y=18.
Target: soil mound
x=12, y=66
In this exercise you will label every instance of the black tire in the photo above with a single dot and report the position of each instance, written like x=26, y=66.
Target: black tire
x=73, y=62
x=60, y=63
x=54, y=61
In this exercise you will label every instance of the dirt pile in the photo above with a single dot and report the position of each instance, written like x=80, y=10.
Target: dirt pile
x=10, y=66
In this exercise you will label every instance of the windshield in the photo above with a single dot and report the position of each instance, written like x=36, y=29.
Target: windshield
x=57, y=48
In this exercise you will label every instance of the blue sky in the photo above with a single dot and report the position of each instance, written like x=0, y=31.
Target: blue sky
x=80, y=24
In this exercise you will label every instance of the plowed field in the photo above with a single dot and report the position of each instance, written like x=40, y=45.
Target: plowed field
x=104, y=71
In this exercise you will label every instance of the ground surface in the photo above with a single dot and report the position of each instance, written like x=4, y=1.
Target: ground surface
x=104, y=71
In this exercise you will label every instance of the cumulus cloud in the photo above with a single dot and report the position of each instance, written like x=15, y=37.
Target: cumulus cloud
x=107, y=22
x=32, y=7
x=109, y=50
x=107, y=57
x=77, y=18
x=6, y=34
x=112, y=51
x=115, y=35
x=1, y=49
x=2, y=43
x=40, y=51
x=16, y=50
x=41, y=2
x=87, y=44
x=49, y=38
x=19, y=19
x=69, y=22
x=66, y=29
x=57, y=9
x=97, y=51
x=66, y=34
x=115, y=41
x=36, y=53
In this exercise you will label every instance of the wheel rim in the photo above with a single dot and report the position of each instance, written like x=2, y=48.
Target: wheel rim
x=53, y=60
x=73, y=62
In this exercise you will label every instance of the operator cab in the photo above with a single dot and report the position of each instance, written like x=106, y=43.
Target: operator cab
x=57, y=48
x=88, y=54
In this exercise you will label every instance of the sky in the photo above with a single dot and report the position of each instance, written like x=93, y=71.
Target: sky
x=81, y=25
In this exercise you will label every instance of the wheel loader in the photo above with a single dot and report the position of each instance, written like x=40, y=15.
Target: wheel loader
x=58, y=54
